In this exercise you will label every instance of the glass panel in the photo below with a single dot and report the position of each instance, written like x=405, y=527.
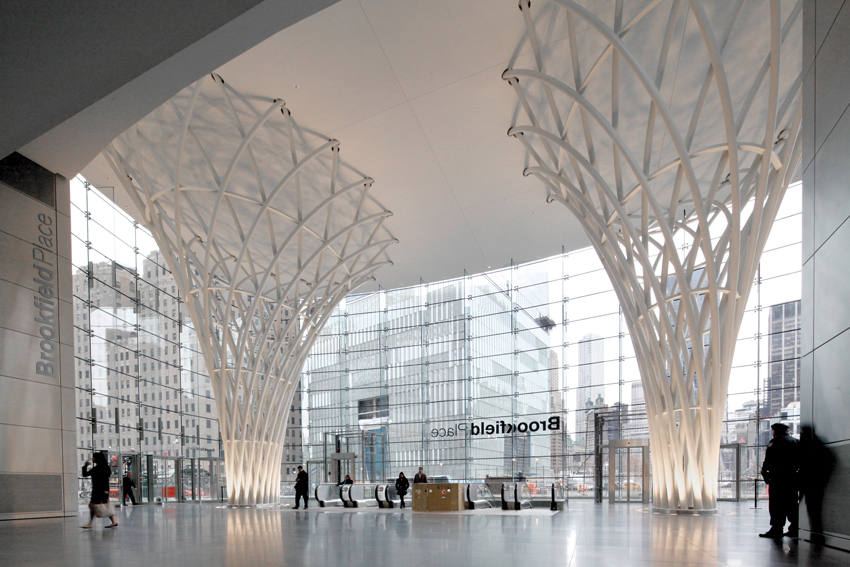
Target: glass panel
x=455, y=376
x=144, y=481
x=621, y=474
x=635, y=478
x=727, y=477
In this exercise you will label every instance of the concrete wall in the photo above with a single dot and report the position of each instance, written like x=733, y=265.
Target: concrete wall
x=38, y=467
x=77, y=74
x=825, y=382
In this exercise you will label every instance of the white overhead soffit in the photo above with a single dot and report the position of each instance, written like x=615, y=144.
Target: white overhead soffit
x=414, y=93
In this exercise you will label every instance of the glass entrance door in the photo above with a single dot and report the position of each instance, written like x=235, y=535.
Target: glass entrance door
x=729, y=475
x=208, y=478
x=628, y=474
x=146, y=478
x=628, y=470
x=186, y=479
x=117, y=466
x=133, y=464
x=165, y=478
x=342, y=464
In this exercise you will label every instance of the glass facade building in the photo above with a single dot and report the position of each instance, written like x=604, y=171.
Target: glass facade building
x=521, y=345
x=426, y=368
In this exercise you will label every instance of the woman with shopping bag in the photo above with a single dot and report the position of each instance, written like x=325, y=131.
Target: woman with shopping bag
x=99, y=506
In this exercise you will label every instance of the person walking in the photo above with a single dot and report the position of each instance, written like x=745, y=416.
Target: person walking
x=301, y=487
x=401, y=486
x=420, y=478
x=127, y=487
x=99, y=474
x=780, y=471
x=347, y=480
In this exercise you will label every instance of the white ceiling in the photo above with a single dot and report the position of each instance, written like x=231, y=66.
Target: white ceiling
x=413, y=92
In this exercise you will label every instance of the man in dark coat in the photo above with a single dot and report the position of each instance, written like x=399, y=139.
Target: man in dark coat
x=301, y=487
x=127, y=487
x=420, y=478
x=781, y=470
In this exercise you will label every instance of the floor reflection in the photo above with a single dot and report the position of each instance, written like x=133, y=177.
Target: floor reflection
x=254, y=536
x=586, y=534
x=685, y=536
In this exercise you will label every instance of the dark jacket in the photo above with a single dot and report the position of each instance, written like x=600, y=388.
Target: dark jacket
x=401, y=485
x=301, y=481
x=781, y=461
x=420, y=478
x=346, y=481
x=128, y=483
x=99, y=478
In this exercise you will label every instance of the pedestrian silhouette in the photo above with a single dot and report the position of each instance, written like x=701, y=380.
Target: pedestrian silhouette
x=817, y=464
x=781, y=472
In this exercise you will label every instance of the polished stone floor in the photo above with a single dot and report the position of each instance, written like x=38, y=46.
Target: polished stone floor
x=622, y=535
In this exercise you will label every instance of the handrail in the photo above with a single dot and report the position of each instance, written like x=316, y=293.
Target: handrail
x=476, y=503
x=331, y=501
x=505, y=487
x=385, y=495
x=368, y=496
x=345, y=496
x=514, y=489
x=558, y=503
x=520, y=502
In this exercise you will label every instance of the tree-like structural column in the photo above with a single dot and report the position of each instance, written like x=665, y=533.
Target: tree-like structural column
x=265, y=231
x=671, y=132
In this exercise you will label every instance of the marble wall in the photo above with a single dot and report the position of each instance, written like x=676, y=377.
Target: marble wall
x=38, y=468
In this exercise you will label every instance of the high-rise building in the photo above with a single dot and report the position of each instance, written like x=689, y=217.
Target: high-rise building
x=638, y=426
x=559, y=443
x=150, y=390
x=591, y=374
x=466, y=351
x=782, y=384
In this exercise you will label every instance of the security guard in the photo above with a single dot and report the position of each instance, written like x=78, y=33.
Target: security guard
x=781, y=471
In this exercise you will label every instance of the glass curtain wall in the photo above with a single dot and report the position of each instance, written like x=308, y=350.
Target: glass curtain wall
x=142, y=386
x=467, y=378
x=472, y=374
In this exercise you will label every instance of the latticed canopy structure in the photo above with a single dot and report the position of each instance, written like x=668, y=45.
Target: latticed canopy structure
x=671, y=132
x=265, y=230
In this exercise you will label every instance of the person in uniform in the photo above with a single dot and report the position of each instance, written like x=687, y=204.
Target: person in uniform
x=301, y=487
x=420, y=478
x=780, y=471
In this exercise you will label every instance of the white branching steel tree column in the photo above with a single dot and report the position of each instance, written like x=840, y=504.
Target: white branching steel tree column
x=671, y=132
x=265, y=231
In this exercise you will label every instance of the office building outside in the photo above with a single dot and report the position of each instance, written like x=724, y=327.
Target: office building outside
x=591, y=372
x=441, y=362
x=782, y=384
x=142, y=386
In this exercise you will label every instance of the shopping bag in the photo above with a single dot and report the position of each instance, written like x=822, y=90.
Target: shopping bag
x=104, y=510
